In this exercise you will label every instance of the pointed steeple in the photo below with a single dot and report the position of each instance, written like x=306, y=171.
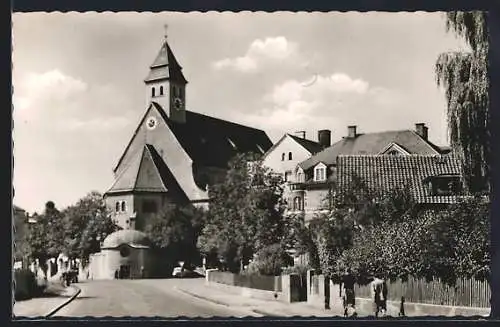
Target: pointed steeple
x=165, y=67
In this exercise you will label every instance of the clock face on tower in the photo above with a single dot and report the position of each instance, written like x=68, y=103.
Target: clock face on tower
x=177, y=103
x=151, y=122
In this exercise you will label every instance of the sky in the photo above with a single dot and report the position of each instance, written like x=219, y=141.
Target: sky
x=79, y=91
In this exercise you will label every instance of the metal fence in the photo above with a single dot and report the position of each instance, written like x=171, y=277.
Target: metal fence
x=466, y=292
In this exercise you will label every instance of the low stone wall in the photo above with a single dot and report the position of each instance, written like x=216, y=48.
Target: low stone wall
x=317, y=292
x=284, y=289
x=422, y=309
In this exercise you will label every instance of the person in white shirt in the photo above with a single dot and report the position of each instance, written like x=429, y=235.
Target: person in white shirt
x=379, y=290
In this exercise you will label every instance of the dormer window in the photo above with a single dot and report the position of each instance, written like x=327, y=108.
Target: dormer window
x=320, y=173
x=289, y=156
x=445, y=185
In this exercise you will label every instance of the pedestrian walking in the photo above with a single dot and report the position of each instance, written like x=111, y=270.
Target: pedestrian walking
x=349, y=298
x=379, y=295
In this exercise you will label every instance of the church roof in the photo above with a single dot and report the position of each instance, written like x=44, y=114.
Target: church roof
x=213, y=142
x=146, y=172
x=165, y=66
x=370, y=144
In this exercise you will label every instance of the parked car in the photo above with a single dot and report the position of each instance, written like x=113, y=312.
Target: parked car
x=185, y=271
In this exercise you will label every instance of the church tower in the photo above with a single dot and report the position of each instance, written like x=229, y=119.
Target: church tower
x=166, y=85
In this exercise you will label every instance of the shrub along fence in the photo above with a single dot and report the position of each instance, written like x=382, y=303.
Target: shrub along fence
x=266, y=283
x=26, y=286
x=466, y=292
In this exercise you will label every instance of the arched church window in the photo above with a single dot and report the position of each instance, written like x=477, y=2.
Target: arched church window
x=289, y=156
x=124, y=206
x=161, y=90
x=282, y=157
x=117, y=206
x=153, y=91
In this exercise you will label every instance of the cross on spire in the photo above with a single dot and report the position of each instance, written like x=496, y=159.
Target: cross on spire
x=166, y=28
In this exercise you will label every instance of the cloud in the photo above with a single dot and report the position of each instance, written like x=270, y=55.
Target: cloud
x=54, y=100
x=319, y=90
x=270, y=49
x=327, y=101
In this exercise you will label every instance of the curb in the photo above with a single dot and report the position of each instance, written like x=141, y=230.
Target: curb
x=203, y=297
x=266, y=314
x=54, y=311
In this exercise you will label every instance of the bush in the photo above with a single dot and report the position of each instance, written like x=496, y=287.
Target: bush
x=26, y=286
x=270, y=260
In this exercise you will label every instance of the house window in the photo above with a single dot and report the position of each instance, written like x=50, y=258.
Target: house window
x=282, y=157
x=161, y=90
x=289, y=156
x=320, y=173
x=300, y=176
x=149, y=206
x=288, y=174
x=297, y=203
x=153, y=92
x=393, y=153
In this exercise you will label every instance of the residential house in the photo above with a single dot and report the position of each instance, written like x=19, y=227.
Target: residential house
x=316, y=175
x=282, y=158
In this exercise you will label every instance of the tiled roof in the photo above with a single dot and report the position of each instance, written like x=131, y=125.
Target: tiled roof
x=311, y=146
x=165, y=66
x=147, y=173
x=213, y=142
x=370, y=144
x=384, y=173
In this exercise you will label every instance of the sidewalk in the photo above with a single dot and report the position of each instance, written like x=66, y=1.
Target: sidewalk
x=42, y=306
x=262, y=307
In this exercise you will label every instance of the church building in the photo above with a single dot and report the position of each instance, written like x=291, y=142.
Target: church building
x=174, y=154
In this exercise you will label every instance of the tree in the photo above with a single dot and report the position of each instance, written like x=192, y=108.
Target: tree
x=175, y=230
x=465, y=79
x=45, y=238
x=86, y=224
x=245, y=213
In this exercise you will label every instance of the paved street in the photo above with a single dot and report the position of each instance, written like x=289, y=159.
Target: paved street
x=118, y=298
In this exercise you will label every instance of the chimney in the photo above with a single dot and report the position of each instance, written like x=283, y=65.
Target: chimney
x=421, y=130
x=324, y=138
x=351, y=131
x=301, y=134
